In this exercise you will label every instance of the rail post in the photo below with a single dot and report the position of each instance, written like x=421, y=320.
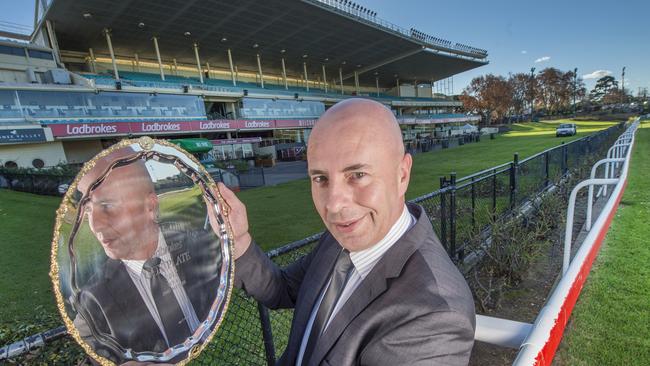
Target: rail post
x=513, y=180
x=452, y=216
x=443, y=214
x=267, y=334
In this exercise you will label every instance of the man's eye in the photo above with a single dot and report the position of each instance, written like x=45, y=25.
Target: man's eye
x=319, y=179
x=358, y=175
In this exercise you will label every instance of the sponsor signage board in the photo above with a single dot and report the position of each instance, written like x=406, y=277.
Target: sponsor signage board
x=66, y=130
x=10, y=136
x=244, y=140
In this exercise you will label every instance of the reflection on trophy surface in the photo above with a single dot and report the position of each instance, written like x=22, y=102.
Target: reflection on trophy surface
x=161, y=275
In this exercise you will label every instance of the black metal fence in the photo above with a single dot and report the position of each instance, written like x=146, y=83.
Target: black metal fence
x=251, y=334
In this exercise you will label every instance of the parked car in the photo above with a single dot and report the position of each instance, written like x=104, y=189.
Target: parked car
x=566, y=129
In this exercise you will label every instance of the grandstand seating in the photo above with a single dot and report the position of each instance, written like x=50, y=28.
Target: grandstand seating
x=149, y=80
x=67, y=105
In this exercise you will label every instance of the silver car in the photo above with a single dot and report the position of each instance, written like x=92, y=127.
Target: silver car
x=566, y=129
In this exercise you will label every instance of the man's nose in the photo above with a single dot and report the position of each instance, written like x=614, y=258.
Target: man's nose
x=339, y=196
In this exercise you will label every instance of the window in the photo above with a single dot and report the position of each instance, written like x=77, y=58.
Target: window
x=38, y=163
x=11, y=164
x=9, y=50
x=40, y=54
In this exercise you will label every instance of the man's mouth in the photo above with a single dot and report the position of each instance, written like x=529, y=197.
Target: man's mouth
x=348, y=225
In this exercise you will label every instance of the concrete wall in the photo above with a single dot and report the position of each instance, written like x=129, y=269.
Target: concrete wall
x=81, y=151
x=51, y=153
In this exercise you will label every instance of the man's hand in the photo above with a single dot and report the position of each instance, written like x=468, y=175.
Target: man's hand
x=236, y=214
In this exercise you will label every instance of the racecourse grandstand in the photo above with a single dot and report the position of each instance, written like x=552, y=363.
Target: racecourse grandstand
x=247, y=76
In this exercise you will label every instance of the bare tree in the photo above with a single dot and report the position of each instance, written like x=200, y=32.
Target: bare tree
x=490, y=96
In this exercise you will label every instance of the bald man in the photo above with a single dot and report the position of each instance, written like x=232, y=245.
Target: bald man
x=378, y=289
x=157, y=284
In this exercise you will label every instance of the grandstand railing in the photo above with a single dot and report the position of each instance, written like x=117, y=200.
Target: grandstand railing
x=351, y=9
x=459, y=210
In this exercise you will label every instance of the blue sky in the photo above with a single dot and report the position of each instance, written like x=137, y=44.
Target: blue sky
x=590, y=35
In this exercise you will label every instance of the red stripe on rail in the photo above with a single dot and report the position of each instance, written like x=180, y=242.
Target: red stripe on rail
x=545, y=356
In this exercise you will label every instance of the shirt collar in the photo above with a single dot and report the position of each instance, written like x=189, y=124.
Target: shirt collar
x=161, y=251
x=365, y=260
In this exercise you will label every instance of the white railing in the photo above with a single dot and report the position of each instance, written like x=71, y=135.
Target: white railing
x=531, y=338
x=539, y=346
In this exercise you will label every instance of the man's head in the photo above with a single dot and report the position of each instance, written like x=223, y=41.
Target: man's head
x=122, y=210
x=359, y=171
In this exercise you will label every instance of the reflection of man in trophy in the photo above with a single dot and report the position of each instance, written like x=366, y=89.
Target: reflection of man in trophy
x=157, y=285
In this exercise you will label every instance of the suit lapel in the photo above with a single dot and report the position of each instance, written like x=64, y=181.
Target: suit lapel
x=311, y=288
x=129, y=304
x=376, y=282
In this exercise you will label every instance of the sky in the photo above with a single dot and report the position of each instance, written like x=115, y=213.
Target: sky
x=598, y=37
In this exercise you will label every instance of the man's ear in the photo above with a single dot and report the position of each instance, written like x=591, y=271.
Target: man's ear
x=405, y=173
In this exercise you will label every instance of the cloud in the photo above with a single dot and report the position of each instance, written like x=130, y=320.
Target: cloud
x=542, y=59
x=524, y=52
x=597, y=74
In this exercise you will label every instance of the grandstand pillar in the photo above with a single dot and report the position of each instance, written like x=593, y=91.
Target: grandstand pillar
x=324, y=79
x=137, y=62
x=175, y=66
x=356, y=82
x=107, y=33
x=399, y=93
x=198, y=62
x=53, y=42
x=284, y=74
x=259, y=68
x=341, y=79
x=304, y=68
x=93, y=66
x=415, y=84
x=160, y=66
x=232, y=71
x=236, y=73
x=377, y=85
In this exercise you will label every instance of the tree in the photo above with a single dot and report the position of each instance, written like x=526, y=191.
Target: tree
x=489, y=95
x=520, y=84
x=556, y=89
x=603, y=87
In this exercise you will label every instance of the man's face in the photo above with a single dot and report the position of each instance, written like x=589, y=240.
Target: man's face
x=357, y=183
x=121, y=214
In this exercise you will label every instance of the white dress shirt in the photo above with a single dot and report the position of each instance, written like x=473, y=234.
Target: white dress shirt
x=363, y=262
x=168, y=270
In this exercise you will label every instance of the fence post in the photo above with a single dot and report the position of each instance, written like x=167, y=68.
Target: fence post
x=546, y=170
x=513, y=180
x=494, y=195
x=267, y=334
x=564, y=159
x=443, y=214
x=473, y=205
x=452, y=216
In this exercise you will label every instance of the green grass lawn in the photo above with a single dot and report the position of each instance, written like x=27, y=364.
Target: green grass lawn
x=285, y=212
x=278, y=214
x=610, y=324
x=26, y=225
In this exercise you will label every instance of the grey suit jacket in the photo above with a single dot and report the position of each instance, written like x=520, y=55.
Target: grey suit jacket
x=413, y=308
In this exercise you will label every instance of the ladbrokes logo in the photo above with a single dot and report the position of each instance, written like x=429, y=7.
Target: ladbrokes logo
x=157, y=127
x=258, y=124
x=90, y=129
x=213, y=125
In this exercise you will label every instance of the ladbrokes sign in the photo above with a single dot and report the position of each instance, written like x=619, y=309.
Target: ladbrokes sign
x=65, y=130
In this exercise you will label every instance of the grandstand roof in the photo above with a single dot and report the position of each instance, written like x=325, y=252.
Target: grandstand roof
x=324, y=33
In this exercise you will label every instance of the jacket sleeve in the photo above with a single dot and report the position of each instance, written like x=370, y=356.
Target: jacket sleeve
x=275, y=287
x=434, y=338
